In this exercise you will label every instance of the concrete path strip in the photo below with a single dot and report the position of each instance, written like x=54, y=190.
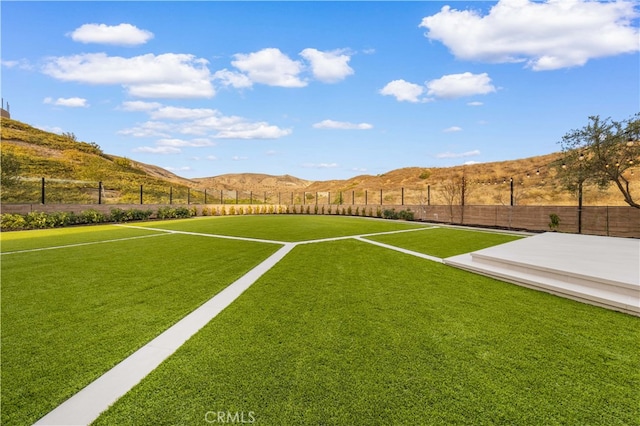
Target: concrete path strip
x=85, y=406
x=401, y=250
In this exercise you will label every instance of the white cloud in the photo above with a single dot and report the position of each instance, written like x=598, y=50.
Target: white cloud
x=473, y=153
x=123, y=34
x=343, y=125
x=206, y=122
x=169, y=75
x=178, y=169
x=546, y=35
x=179, y=113
x=320, y=165
x=233, y=79
x=246, y=130
x=68, y=102
x=148, y=129
x=452, y=129
x=140, y=106
x=271, y=67
x=239, y=158
x=175, y=142
x=475, y=103
x=330, y=66
x=21, y=64
x=158, y=149
x=459, y=85
x=212, y=157
x=403, y=91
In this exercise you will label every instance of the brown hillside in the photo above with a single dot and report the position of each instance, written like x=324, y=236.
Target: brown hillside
x=253, y=182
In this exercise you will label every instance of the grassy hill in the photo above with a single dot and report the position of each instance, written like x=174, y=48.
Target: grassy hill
x=72, y=170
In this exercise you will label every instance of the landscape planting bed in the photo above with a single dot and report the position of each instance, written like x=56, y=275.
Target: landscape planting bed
x=337, y=332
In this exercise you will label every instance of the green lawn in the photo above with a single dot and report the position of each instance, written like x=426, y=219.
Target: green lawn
x=41, y=238
x=287, y=228
x=348, y=333
x=445, y=242
x=340, y=332
x=68, y=315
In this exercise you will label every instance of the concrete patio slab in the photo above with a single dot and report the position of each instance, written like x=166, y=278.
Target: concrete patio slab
x=603, y=271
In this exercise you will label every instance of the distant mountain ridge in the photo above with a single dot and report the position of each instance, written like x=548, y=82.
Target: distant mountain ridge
x=49, y=155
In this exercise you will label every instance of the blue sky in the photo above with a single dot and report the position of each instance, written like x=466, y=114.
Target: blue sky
x=319, y=90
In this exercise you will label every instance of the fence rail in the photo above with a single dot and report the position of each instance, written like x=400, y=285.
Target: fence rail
x=51, y=190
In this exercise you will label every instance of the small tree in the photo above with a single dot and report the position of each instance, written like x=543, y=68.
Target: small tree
x=601, y=153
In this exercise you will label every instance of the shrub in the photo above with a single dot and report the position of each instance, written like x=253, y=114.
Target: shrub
x=166, y=213
x=118, y=215
x=91, y=216
x=36, y=220
x=183, y=212
x=137, y=214
x=554, y=222
x=406, y=214
x=58, y=219
x=12, y=222
x=390, y=214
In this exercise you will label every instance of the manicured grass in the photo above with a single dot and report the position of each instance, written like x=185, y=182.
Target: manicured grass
x=26, y=240
x=445, y=242
x=350, y=333
x=70, y=314
x=287, y=228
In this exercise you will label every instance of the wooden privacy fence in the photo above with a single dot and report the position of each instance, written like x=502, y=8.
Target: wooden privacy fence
x=618, y=221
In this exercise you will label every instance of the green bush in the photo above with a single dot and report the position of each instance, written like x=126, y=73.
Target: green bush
x=12, y=222
x=37, y=220
x=92, y=216
x=390, y=214
x=59, y=219
x=403, y=214
x=406, y=214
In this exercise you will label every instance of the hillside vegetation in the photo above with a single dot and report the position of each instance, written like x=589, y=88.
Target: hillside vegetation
x=72, y=170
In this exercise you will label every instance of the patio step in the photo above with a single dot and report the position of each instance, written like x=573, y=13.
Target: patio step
x=602, y=271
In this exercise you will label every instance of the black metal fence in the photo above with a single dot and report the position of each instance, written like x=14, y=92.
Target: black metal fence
x=65, y=191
